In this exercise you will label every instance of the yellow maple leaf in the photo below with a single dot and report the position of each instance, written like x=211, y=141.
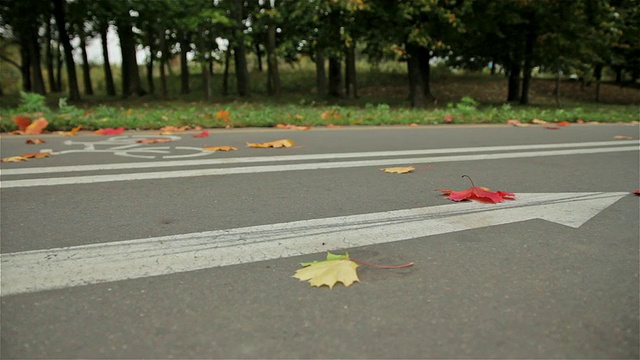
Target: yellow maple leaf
x=399, y=170
x=337, y=268
x=14, y=159
x=273, y=144
x=220, y=148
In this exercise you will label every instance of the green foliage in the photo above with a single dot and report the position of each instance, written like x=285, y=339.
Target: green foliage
x=32, y=102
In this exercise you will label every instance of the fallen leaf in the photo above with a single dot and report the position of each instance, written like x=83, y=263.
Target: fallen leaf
x=36, y=126
x=36, y=155
x=637, y=192
x=14, y=159
x=330, y=115
x=153, y=141
x=35, y=141
x=399, y=170
x=273, y=144
x=478, y=193
x=334, y=126
x=205, y=133
x=579, y=121
x=515, y=122
x=110, y=131
x=223, y=115
x=563, y=123
x=337, y=268
x=538, y=122
x=552, y=128
x=73, y=131
x=448, y=118
x=623, y=137
x=174, y=128
x=220, y=148
x=22, y=122
x=292, y=127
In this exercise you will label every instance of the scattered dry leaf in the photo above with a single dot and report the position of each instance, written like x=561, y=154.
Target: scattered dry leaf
x=223, y=115
x=22, y=122
x=637, y=192
x=205, y=133
x=516, y=122
x=153, y=141
x=273, y=144
x=73, y=131
x=399, y=170
x=563, y=123
x=37, y=155
x=174, y=128
x=292, y=127
x=110, y=131
x=623, y=137
x=14, y=159
x=220, y=148
x=36, y=126
x=538, y=122
x=337, y=268
x=35, y=141
x=478, y=193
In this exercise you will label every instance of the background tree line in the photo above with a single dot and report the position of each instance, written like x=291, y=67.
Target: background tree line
x=511, y=36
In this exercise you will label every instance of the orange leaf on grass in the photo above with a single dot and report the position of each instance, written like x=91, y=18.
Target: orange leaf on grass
x=273, y=144
x=153, y=141
x=22, y=122
x=223, y=115
x=35, y=141
x=36, y=126
x=220, y=148
x=478, y=193
x=110, y=131
x=205, y=133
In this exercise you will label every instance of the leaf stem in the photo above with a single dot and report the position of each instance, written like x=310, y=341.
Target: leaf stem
x=381, y=266
x=470, y=179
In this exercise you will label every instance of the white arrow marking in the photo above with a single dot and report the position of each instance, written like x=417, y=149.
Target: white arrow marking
x=39, y=270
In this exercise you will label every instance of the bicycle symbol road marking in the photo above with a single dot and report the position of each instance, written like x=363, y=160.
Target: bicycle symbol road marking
x=128, y=145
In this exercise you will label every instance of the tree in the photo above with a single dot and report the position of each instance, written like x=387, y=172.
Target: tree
x=242, y=74
x=59, y=11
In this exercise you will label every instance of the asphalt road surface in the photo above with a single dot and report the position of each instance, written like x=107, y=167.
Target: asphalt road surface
x=115, y=249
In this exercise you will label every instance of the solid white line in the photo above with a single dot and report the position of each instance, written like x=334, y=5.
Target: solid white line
x=56, y=268
x=296, y=167
x=256, y=159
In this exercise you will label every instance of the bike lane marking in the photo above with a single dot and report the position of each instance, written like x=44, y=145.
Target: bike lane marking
x=57, y=268
x=92, y=179
x=286, y=158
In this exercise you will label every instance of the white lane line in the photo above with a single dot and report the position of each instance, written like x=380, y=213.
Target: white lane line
x=39, y=270
x=5, y=184
x=239, y=160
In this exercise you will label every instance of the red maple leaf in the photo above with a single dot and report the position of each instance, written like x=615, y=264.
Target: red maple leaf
x=478, y=193
x=637, y=192
x=204, y=133
x=110, y=131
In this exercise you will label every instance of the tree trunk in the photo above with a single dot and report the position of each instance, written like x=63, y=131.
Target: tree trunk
x=425, y=72
x=51, y=75
x=240, y=57
x=513, y=92
x=273, y=75
x=36, y=68
x=528, y=66
x=59, y=13
x=350, y=81
x=150, y=62
x=416, y=87
x=206, y=80
x=108, y=75
x=59, y=62
x=184, y=65
x=131, y=84
x=225, y=74
x=597, y=74
x=335, y=77
x=321, y=74
x=164, y=57
x=556, y=91
x=86, y=67
x=259, y=56
x=25, y=66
